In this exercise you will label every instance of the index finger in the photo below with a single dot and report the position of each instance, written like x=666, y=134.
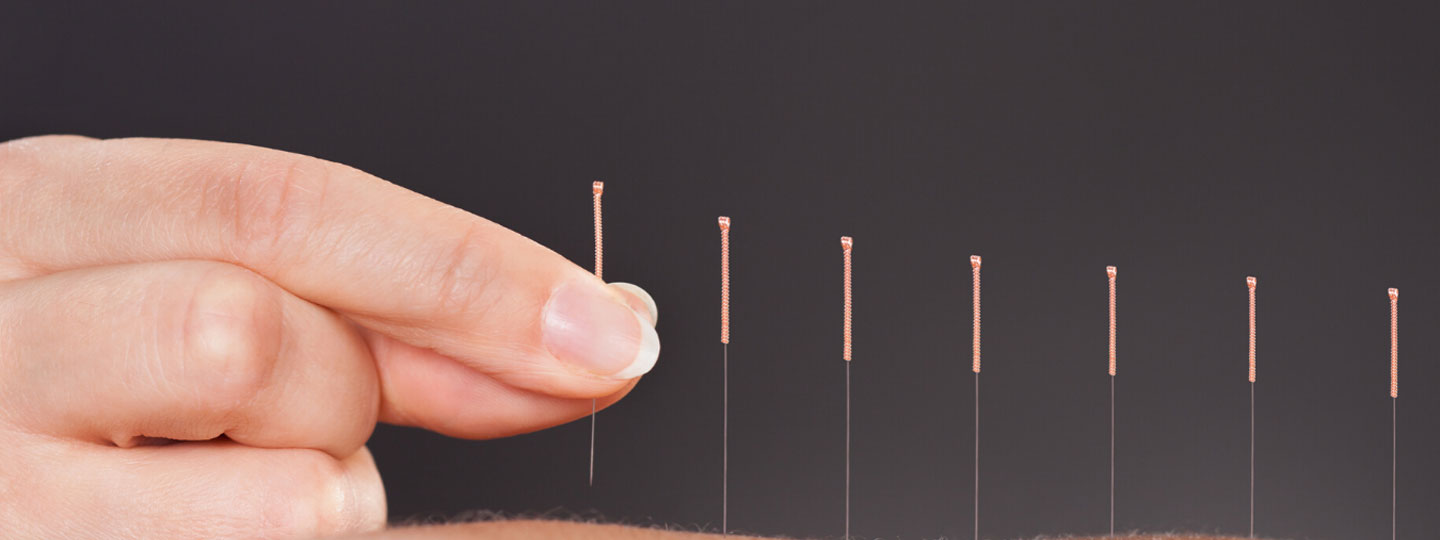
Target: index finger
x=425, y=273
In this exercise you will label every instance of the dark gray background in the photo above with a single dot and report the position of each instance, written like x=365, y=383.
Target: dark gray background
x=1190, y=146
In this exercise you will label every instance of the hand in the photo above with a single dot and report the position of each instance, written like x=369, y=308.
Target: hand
x=197, y=338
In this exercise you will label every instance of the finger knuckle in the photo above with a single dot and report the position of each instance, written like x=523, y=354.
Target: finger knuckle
x=465, y=269
x=232, y=336
x=336, y=498
x=270, y=198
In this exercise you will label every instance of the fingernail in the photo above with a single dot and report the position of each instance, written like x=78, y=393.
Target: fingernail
x=640, y=300
x=595, y=329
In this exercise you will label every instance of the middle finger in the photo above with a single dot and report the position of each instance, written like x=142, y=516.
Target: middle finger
x=186, y=350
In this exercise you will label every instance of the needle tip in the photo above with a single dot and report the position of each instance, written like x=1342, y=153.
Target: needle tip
x=1110, y=271
x=598, y=187
x=974, y=261
x=1250, y=281
x=1394, y=294
x=724, y=223
x=846, y=242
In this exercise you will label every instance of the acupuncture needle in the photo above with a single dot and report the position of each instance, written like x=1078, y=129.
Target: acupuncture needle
x=975, y=366
x=1250, y=283
x=1110, y=272
x=846, y=243
x=597, y=189
x=725, y=373
x=1394, y=394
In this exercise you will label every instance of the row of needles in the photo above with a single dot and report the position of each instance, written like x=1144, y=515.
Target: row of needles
x=847, y=245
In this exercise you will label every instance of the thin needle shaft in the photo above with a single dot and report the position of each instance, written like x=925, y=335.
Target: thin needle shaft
x=592, y=442
x=596, y=189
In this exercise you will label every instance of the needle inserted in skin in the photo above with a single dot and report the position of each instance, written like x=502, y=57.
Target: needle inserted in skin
x=1250, y=283
x=846, y=243
x=975, y=366
x=597, y=188
x=725, y=373
x=1394, y=394
x=1110, y=272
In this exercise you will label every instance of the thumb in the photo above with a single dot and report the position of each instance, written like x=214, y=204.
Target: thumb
x=423, y=388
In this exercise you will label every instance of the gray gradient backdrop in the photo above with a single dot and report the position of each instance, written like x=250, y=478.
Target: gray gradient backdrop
x=1190, y=146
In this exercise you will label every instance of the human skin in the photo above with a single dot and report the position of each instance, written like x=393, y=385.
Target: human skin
x=197, y=338
x=547, y=530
